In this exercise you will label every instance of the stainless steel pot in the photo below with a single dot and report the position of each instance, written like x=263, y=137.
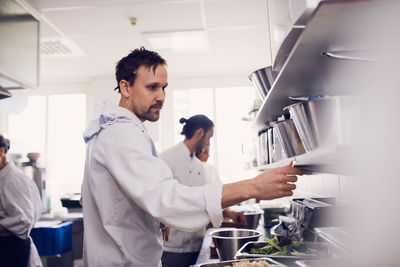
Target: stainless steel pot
x=263, y=80
x=289, y=138
x=253, y=218
x=275, y=152
x=229, y=241
x=263, y=148
x=326, y=121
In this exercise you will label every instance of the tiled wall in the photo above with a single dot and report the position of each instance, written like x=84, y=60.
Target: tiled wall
x=327, y=185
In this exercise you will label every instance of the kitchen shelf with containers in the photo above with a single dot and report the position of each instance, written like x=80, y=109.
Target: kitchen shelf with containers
x=327, y=160
x=316, y=90
x=317, y=136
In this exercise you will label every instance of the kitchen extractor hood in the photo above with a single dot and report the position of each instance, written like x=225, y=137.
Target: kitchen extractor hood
x=4, y=93
x=19, y=45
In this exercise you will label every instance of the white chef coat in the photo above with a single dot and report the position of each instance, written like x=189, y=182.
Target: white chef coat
x=211, y=174
x=127, y=190
x=20, y=206
x=189, y=171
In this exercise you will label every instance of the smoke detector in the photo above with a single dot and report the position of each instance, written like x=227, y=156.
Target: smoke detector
x=133, y=21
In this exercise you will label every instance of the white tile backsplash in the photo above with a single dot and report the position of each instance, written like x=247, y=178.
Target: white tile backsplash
x=327, y=185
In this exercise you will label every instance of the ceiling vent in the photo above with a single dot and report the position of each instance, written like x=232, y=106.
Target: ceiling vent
x=59, y=47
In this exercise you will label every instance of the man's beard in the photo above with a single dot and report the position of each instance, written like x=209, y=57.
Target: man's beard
x=200, y=145
x=149, y=115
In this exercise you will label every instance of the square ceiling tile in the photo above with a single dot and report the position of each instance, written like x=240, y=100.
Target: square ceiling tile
x=235, y=13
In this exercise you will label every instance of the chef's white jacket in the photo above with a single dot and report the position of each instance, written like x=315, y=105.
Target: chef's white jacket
x=190, y=171
x=127, y=191
x=20, y=206
x=187, y=170
x=211, y=173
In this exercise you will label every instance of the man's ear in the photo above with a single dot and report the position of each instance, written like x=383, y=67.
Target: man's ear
x=200, y=133
x=2, y=152
x=124, y=87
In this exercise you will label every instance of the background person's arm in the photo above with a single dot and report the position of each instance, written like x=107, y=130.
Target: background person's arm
x=148, y=182
x=17, y=200
x=237, y=217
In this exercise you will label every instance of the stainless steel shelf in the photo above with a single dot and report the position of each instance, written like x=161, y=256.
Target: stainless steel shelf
x=324, y=160
x=334, y=26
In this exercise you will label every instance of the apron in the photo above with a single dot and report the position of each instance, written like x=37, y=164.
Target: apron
x=14, y=251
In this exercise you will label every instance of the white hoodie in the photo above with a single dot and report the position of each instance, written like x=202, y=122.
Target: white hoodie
x=127, y=191
x=20, y=206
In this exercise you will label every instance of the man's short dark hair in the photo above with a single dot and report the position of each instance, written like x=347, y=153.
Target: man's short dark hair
x=126, y=68
x=4, y=142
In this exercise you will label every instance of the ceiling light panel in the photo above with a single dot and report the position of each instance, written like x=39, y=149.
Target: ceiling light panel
x=178, y=42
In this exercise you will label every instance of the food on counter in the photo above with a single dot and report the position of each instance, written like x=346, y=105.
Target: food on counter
x=271, y=206
x=246, y=263
x=284, y=247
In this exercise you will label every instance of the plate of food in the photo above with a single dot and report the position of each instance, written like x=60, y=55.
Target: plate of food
x=283, y=249
x=261, y=262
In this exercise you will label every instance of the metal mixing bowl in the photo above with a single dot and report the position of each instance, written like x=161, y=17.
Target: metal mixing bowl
x=229, y=241
x=252, y=218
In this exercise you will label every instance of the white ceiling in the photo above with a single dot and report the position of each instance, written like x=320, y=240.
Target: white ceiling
x=236, y=35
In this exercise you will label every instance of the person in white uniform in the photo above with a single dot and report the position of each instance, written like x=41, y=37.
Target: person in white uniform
x=212, y=177
x=128, y=190
x=20, y=208
x=182, y=248
x=211, y=173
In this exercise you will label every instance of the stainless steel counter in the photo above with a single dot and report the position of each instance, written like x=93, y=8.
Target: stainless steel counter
x=204, y=256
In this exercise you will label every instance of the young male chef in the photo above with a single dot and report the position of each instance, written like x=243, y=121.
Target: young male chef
x=20, y=208
x=182, y=248
x=128, y=190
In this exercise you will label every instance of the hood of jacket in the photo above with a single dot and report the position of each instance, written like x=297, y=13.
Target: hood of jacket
x=110, y=114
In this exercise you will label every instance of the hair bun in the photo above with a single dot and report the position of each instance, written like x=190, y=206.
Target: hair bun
x=183, y=120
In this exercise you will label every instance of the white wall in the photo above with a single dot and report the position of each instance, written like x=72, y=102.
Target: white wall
x=102, y=88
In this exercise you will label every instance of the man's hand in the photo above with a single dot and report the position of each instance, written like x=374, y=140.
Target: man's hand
x=275, y=183
x=271, y=184
x=237, y=217
x=165, y=233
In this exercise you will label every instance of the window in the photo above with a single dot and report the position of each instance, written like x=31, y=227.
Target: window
x=65, y=146
x=230, y=129
x=28, y=129
x=51, y=126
